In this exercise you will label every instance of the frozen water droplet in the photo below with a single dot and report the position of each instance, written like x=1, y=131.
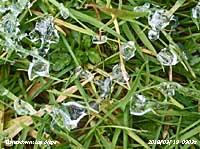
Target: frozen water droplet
x=94, y=106
x=169, y=88
x=139, y=105
x=68, y=115
x=64, y=11
x=196, y=11
x=174, y=22
x=105, y=86
x=99, y=39
x=143, y=8
x=117, y=74
x=37, y=68
x=23, y=108
x=167, y=57
x=158, y=20
x=128, y=50
x=153, y=34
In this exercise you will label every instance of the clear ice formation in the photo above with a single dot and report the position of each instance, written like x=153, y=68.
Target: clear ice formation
x=64, y=12
x=23, y=108
x=39, y=67
x=128, y=50
x=68, y=115
x=117, y=74
x=167, y=57
x=94, y=106
x=45, y=33
x=140, y=105
x=169, y=88
x=99, y=39
x=153, y=34
x=105, y=86
x=143, y=8
x=196, y=11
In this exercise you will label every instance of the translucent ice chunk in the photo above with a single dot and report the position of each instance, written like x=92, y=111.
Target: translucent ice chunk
x=196, y=11
x=174, y=22
x=143, y=8
x=158, y=20
x=94, y=106
x=153, y=34
x=37, y=68
x=68, y=115
x=105, y=86
x=117, y=74
x=128, y=50
x=64, y=12
x=99, y=39
x=169, y=88
x=139, y=105
x=23, y=108
x=167, y=57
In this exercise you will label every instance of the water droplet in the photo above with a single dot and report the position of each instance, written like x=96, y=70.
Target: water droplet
x=139, y=105
x=169, y=88
x=37, y=68
x=196, y=11
x=174, y=22
x=128, y=50
x=117, y=74
x=158, y=20
x=167, y=57
x=23, y=108
x=153, y=34
x=105, y=86
x=99, y=39
x=143, y=8
x=68, y=115
x=64, y=12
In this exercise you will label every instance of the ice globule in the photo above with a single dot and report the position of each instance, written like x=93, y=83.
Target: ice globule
x=128, y=50
x=167, y=57
x=143, y=8
x=23, y=108
x=174, y=22
x=64, y=12
x=169, y=88
x=68, y=115
x=38, y=67
x=95, y=106
x=153, y=34
x=140, y=105
x=99, y=39
x=196, y=11
x=105, y=86
x=117, y=74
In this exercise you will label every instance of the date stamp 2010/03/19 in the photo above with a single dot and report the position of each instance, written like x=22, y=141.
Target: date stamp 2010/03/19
x=168, y=142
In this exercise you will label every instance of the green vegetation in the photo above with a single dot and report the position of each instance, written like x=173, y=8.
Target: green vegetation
x=100, y=74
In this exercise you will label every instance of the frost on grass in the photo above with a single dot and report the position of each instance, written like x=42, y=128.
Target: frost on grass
x=23, y=108
x=68, y=115
x=167, y=57
x=99, y=39
x=39, y=67
x=196, y=11
x=128, y=50
x=140, y=105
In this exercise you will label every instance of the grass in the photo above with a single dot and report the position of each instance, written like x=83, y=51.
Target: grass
x=176, y=118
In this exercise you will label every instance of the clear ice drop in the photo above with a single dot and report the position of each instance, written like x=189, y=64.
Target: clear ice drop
x=99, y=39
x=64, y=12
x=143, y=8
x=167, y=57
x=23, y=108
x=196, y=11
x=169, y=88
x=128, y=50
x=139, y=105
x=153, y=34
x=37, y=68
x=68, y=115
x=105, y=86
x=117, y=74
